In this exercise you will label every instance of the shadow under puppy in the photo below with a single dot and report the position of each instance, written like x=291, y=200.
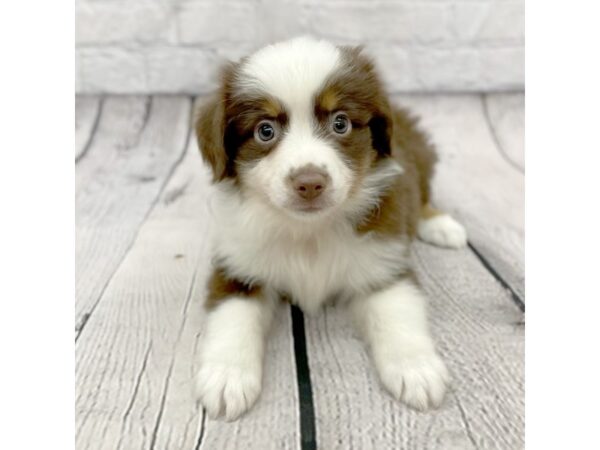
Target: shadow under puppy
x=320, y=188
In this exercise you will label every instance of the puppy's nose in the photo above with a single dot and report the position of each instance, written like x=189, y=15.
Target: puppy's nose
x=309, y=182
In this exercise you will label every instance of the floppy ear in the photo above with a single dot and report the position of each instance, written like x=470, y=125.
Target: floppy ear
x=382, y=122
x=216, y=137
x=371, y=92
x=382, y=127
x=210, y=133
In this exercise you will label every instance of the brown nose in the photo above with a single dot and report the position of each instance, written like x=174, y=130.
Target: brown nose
x=309, y=182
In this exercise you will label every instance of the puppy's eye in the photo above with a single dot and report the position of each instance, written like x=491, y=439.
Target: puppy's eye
x=341, y=124
x=264, y=131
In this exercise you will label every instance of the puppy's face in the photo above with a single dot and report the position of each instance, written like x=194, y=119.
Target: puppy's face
x=299, y=125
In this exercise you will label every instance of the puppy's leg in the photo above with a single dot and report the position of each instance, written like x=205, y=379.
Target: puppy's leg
x=231, y=354
x=394, y=324
x=439, y=228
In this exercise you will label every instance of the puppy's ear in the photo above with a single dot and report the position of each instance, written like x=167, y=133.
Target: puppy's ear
x=382, y=122
x=369, y=90
x=210, y=133
x=212, y=129
x=382, y=126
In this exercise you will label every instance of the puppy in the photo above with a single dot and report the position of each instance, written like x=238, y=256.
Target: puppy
x=320, y=188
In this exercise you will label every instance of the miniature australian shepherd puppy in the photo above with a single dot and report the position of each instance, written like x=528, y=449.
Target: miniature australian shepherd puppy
x=321, y=185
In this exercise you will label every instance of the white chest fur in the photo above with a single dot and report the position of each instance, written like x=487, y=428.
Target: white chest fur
x=310, y=262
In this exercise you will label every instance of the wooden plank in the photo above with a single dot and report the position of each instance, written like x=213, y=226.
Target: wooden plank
x=138, y=143
x=480, y=336
x=126, y=358
x=506, y=115
x=136, y=356
x=87, y=113
x=474, y=182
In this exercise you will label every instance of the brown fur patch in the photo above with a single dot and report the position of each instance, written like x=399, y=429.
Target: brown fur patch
x=209, y=133
x=357, y=91
x=221, y=287
x=242, y=124
x=400, y=207
x=210, y=125
x=428, y=211
x=355, y=148
x=328, y=100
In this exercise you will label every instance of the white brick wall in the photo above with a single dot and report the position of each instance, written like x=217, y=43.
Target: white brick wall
x=176, y=46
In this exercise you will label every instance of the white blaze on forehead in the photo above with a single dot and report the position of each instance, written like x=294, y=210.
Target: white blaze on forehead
x=292, y=71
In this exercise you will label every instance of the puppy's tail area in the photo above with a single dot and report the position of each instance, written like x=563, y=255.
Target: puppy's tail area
x=439, y=228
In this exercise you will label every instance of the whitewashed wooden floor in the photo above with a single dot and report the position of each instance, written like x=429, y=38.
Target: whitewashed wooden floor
x=141, y=255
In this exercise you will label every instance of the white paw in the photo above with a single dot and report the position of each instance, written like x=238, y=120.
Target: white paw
x=227, y=390
x=418, y=381
x=442, y=231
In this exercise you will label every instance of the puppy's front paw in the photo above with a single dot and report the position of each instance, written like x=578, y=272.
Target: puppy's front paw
x=227, y=390
x=443, y=231
x=419, y=381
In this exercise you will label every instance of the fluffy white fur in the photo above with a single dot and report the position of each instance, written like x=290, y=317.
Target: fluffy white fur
x=394, y=324
x=312, y=261
x=442, y=231
x=292, y=71
x=231, y=356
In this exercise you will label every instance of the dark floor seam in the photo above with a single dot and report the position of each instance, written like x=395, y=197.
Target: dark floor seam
x=88, y=144
x=514, y=296
x=463, y=416
x=136, y=388
x=202, y=427
x=308, y=433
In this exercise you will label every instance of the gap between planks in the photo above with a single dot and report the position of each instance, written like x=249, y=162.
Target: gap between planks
x=88, y=110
